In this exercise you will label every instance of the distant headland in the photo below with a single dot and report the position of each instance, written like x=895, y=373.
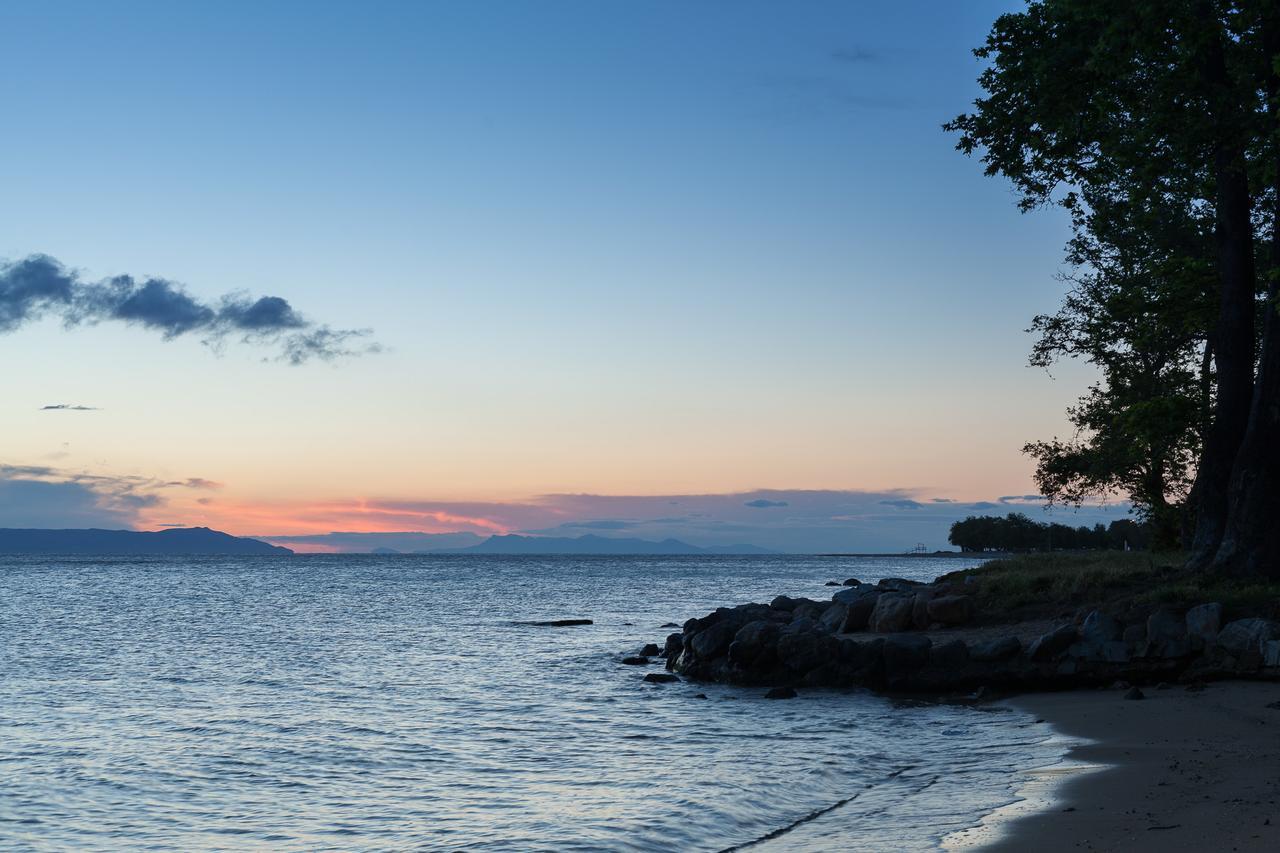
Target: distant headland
x=177, y=541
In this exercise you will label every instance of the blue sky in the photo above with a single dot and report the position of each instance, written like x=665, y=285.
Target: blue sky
x=618, y=249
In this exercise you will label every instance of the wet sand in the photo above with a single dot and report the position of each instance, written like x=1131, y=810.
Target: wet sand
x=1177, y=771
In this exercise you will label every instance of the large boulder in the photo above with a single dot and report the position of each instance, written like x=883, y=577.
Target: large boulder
x=675, y=643
x=891, y=614
x=1248, y=635
x=713, y=641
x=858, y=614
x=951, y=609
x=949, y=656
x=899, y=585
x=786, y=602
x=810, y=610
x=805, y=651
x=853, y=594
x=833, y=618
x=1054, y=644
x=905, y=653
x=753, y=641
x=1203, y=623
x=1099, y=627
x=920, y=608
x=994, y=651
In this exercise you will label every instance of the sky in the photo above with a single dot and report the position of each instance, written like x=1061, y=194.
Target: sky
x=302, y=267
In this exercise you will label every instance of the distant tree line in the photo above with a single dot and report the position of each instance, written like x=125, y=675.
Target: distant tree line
x=1017, y=532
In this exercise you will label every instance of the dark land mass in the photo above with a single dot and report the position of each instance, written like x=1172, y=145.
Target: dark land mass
x=178, y=541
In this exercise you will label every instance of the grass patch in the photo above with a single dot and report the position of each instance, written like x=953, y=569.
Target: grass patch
x=1046, y=585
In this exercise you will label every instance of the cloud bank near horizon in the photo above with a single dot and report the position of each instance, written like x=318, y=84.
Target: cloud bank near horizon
x=797, y=521
x=39, y=285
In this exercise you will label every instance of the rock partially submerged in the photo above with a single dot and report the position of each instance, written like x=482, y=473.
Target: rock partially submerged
x=557, y=623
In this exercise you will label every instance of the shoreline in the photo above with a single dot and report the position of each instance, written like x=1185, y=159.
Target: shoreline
x=1181, y=770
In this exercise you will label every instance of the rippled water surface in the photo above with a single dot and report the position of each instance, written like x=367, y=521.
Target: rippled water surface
x=368, y=702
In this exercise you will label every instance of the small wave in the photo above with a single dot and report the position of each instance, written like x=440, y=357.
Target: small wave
x=811, y=816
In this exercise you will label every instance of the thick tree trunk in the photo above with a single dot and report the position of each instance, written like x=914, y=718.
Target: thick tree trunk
x=1234, y=331
x=1251, y=540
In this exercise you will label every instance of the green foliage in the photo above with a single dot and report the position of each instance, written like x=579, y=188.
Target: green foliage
x=1031, y=585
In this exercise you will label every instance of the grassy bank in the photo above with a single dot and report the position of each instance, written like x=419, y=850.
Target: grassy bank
x=1048, y=585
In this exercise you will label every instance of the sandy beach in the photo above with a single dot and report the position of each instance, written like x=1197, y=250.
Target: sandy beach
x=1181, y=770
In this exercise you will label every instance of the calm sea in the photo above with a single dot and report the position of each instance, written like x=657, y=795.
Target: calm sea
x=379, y=703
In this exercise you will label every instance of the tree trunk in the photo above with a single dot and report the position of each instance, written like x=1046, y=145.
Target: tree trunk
x=1251, y=540
x=1234, y=330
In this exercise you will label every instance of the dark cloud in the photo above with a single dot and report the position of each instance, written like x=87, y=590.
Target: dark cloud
x=68, y=407
x=854, y=55
x=195, y=483
x=601, y=524
x=903, y=503
x=38, y=285
x=1021, y=499
x=762, y=503
x=44, y=496
x=943, y=500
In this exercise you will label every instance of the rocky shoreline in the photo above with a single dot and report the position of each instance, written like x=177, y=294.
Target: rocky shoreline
x=905, y=636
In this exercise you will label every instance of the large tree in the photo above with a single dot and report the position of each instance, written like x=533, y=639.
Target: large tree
x=1141, y=114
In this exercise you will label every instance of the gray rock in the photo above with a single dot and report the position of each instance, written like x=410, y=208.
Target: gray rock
x=1134, y=635
x=1204, y=622
x=832, y=619
x=905, y=653
x=899, y=585
x=802, y=652
x=833, y=583
x=1165, y=625
x=650, y=650
x=859, y=613
x=660, y=678
x=950, y=655
x=951, y=609
x=1271, y=653
x=1099, y=627
x=781, y=693
x=1115, y=651
x=892, y=613
x=800, y=625
x=854, y=594
x=810, y=610
x=1247, y=635
x=675, y=643
x=853, y=582
x=920, y=608
x=713, y=641
x=1052, y=645
x=1135, y=693
x=636, y=660
x=993, y=651
x=785, y=602
x=752, y=640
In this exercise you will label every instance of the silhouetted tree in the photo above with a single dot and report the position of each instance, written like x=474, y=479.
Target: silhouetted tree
x=1154, y=123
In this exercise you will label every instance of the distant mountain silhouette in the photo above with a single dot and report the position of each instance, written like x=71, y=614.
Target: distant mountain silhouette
x=177, y=541
x=591, y=544
x=382, y=543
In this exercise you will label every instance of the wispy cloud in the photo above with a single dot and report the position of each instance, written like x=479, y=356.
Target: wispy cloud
x=762, y=503
x=68, y=407
x=38, y=285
